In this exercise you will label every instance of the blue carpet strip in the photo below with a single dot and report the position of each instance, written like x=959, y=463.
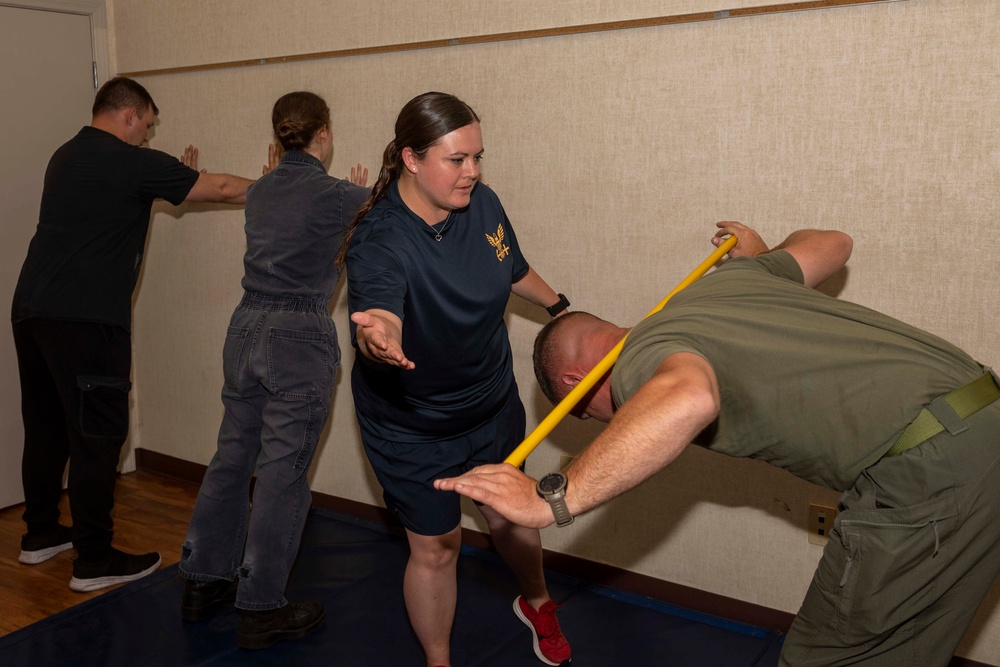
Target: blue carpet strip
x=355, y=567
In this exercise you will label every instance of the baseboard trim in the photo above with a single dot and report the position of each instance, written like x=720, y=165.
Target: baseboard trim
x=598, y=573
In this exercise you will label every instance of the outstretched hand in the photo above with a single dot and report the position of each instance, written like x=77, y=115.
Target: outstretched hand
x=504, y=488
x=190, y=158
x=379, y=340
x=359, y=175
x=274, y=153
x=749, y=244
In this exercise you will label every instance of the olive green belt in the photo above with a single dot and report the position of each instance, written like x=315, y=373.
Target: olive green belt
x=945, y=413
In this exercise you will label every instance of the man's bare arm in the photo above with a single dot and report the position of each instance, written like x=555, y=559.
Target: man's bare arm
x=645, y=435
x=819, y=253
x=220, y=188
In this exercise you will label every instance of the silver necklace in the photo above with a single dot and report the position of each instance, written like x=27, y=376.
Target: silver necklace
x=444, y=225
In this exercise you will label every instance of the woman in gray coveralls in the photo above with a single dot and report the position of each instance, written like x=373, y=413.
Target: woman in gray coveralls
x=280, y=359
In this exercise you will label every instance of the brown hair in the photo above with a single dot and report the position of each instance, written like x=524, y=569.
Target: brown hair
x=421, y=122
x=297, y=117
x=548, y=345
x=123, y=93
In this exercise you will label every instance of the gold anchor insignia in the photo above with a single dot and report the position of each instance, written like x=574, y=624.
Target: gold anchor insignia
x=497, y=242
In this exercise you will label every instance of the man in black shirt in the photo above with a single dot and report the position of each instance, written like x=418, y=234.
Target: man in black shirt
x=72, y=317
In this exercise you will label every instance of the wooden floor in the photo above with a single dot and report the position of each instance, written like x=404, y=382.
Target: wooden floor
x=151, y=514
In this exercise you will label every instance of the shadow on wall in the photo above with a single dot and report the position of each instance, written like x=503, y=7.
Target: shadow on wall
x=647, y=516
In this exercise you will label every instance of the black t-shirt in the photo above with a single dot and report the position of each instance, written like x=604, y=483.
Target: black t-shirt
x=84, y=259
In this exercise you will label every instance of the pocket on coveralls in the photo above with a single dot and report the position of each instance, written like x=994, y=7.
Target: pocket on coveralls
x=103, y=406
x=232, y=349
x=298, y=364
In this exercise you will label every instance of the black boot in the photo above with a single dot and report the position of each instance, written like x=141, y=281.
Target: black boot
x=203, y=598
x=260, y=629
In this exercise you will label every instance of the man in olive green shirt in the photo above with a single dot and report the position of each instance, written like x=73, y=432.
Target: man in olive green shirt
x=750, y=361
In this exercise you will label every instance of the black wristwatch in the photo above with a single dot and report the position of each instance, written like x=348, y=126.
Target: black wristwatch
x=552, y=489
x=559, y=306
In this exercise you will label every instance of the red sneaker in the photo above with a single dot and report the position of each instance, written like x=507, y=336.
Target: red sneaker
x=550, y=645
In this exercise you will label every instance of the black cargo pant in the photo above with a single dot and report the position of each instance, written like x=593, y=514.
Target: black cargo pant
x=74, y=403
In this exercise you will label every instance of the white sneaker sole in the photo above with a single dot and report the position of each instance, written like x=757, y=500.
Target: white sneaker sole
x=84, y=585
x=42, y=555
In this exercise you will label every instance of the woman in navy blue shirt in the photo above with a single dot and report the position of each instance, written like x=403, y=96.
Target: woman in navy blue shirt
x=431, y=261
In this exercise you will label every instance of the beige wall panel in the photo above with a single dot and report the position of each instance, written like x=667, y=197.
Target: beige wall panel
x=614, y=154
x=228, y=31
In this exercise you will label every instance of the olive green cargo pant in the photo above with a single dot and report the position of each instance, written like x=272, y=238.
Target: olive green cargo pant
x=913, y=551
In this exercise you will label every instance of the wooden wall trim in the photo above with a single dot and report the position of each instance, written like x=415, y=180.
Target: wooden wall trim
x=608, y=26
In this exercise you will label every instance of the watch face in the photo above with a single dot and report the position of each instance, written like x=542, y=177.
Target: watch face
x=551, y=483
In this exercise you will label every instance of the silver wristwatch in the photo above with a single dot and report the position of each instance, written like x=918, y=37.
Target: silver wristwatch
x=552, y=489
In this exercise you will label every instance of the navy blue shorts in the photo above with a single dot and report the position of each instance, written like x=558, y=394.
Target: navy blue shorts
x=407, y=471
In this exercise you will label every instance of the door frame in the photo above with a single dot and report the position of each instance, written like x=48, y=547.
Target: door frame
x=98, y=13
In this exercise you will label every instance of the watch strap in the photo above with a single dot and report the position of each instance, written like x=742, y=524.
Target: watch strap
x=559, y=306
x=559, y=509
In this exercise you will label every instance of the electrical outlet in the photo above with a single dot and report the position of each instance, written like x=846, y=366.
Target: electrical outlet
x=820, y=523
x=565, y=460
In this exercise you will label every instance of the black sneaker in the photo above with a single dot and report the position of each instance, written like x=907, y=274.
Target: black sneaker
x=260, y=629
x=203, y=598
x=37, y=549
x=117, y=568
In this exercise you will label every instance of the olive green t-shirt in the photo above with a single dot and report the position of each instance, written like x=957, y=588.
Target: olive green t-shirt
x=812, y=384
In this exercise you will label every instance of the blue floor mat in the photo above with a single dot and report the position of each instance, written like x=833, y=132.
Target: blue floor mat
x=356, y=569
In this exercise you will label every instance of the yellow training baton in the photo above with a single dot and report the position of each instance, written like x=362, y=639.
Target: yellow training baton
x=518, y=456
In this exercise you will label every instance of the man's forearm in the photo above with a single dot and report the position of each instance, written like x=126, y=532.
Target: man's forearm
x=233, y=189
x=219, y=188
x=646, y=434
x=798, y=236
x=819, y=253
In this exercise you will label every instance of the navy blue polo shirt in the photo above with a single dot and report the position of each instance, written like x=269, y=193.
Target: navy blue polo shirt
x=451, y=295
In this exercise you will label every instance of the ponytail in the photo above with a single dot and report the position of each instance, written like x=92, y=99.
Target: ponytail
x=392, y=165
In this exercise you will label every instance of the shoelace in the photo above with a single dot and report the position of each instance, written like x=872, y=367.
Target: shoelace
x=546, y=623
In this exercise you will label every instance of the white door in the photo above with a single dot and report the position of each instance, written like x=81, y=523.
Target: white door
x=47, y=88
